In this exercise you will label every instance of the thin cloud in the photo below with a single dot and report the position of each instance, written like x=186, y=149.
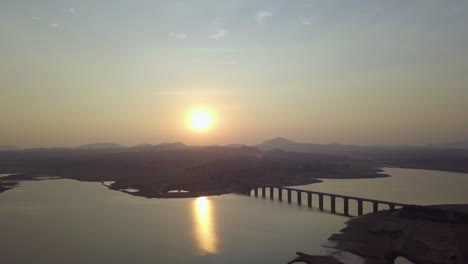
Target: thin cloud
x=262, y=16
x=54, y=25
x=219, y=21
x=180, y=36
x=36, y=18
x=71, y=10
x=219, y=34
x=303, y=21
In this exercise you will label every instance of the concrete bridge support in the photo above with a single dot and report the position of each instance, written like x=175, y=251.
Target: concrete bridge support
x=359, y=206
x=320, y=201
x=333, y=205
x=346, y=206
x=333, y=197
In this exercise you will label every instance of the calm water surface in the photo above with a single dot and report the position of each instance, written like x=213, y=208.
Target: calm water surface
x=66, y=221
x=409, y=186
x=423, y=187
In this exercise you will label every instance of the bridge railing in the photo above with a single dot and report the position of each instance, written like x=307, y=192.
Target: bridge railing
x=321, y=195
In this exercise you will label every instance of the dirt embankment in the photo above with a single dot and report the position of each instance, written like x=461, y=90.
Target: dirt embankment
x=421, y=234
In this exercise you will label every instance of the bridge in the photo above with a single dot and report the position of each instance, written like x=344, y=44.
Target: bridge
x=377, y=205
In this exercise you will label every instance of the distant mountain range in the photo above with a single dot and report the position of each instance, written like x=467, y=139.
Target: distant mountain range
x=463, y=144
x=148, y=147
x=101, y=146
x=336, y=148
x=105, y=146
x=331, y=149
x=159, y=147
x=280, y=143
x=234, y=145
x=8, y=148
x=447, y=156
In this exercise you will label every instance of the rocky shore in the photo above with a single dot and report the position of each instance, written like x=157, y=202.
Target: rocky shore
x=420, y=234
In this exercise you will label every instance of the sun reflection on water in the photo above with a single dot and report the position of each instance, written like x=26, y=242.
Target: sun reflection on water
x=205, y=233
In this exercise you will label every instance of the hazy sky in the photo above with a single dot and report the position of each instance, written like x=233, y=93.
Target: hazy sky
x=350, y=71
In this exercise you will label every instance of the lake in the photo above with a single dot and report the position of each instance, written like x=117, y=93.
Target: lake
x=409, y=186
x=67, y=221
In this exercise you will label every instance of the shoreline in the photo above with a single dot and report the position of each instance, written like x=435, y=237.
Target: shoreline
x=167, y=189
x=420, y=234
x=11, y=181
x=372, y=236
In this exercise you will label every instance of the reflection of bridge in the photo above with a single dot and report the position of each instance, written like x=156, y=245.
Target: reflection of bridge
x=309, y=195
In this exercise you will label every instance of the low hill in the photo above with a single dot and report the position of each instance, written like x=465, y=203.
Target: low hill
x=418, y=157
x=8, y=148
x=331, y=149
x=159, y=147
x=101, y=146
x=462, y=144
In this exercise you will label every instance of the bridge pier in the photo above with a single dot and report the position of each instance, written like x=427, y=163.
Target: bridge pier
x=320, y=201
x=375, y=207
x=359, y=206
x=333, y=197
x=333, y=207
x=346, y=206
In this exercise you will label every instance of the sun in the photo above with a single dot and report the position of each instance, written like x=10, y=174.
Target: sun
x=201, y=120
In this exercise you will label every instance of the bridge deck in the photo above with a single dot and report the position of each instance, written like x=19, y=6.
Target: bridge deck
x=333, y=196
x=337, y=195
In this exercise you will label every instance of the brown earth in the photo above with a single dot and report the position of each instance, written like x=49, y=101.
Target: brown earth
x=422, y=235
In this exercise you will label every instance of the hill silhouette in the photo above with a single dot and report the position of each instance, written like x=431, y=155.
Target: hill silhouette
x=418, y=157
x=9, y=148
x=101, y=146
x=333, y=149
x=461, y=144
x=159, y=147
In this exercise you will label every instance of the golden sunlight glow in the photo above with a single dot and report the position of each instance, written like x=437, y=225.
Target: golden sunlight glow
x=201, y=120
x=205, y=234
